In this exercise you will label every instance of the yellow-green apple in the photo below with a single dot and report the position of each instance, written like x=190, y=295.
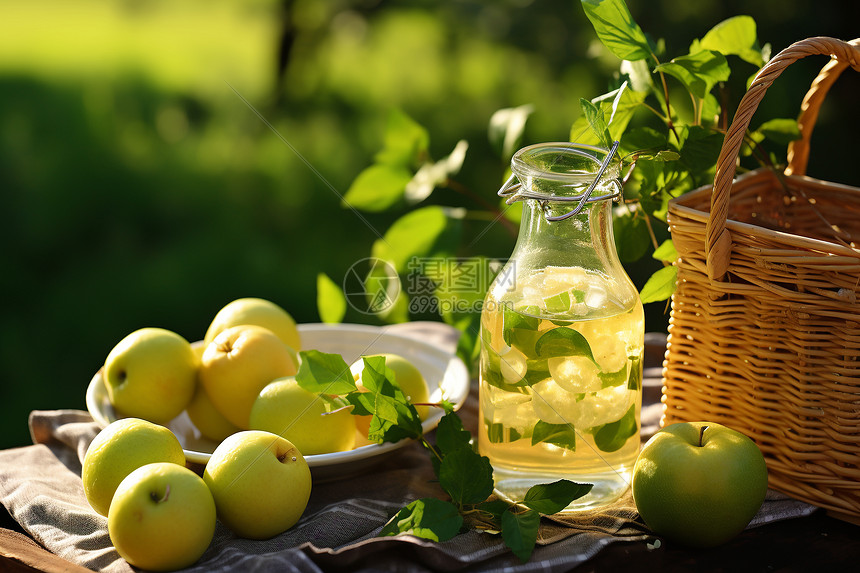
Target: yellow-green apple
x=119, y=449
x=162, y=517
x=699, y=483
x=306, y=419
x=202, y=412
x=207, y=419
x=151, y=374
x=260, y=312
x=261, y=483
x=237, y=364
x=408, y=378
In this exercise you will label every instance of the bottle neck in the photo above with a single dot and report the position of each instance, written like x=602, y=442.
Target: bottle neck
x=584, y=240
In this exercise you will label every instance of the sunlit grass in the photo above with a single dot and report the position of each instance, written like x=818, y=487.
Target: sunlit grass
x=179, y=46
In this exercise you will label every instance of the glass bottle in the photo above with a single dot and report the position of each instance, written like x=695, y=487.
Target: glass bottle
x=562, y=334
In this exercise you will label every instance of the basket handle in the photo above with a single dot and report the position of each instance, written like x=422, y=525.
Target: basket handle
x=718, y=242
x=798, y=151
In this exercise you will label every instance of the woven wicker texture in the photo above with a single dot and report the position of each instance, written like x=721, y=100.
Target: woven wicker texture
x=764, y=333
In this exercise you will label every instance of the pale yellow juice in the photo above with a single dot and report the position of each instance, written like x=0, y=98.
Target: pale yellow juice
x=560, y=384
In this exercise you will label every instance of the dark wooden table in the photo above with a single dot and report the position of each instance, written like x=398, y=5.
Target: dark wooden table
x=817, y=543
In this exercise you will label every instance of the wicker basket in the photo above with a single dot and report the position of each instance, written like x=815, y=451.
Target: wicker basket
x=764, y=334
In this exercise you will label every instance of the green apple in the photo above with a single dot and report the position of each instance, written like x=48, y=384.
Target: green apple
x=162, y=517
x=256, y=311
x=119, y=449
x=202, y=412
x=237, y=364
x=699, y=483
x=151, y=374
x=406, y=375
x=261, y=483
x=207, y=419
x=304, y=418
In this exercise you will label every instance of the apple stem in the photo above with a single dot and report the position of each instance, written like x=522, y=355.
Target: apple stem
x=702, y=436
x=154, y=495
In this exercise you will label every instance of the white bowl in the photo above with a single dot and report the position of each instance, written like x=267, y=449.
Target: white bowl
x=447, y=377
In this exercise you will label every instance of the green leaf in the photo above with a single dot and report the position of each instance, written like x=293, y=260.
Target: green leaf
x=660, y=285
x=632, y=239
x=662, y=156
x=376, y=374
x=617, y=378
x=331, y=302
x=635, y=380
x=324, y=373
x=638, y=74
x=512, y=319
x=616, y=29
x=594, y=117
x=498, y=433
x=491, y=374
x=413, y=235
x=362, y=402
x=612, y=437
x=519, y=531
x=780, y=131
x=563, y=341
x=394, y=418
x=666, y=252
x=451, y=435
x=710, y=111
x=466, y=476
x=735, y=36
x=406, y=141
x=657, y=204
x=533, y=376
x=550, y=498
x=377, y=188
x=434, y=174
x=667, y=155
x=494, y=508
x=619, y=106
x=427, y=518
x=701, y=148
x=519, y=329
x=561, y=435
x=506, y=129
x=698, y=72
x=638, y=139
x=558, y=302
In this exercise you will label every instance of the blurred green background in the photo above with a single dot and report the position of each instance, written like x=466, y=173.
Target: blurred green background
x=139, y=189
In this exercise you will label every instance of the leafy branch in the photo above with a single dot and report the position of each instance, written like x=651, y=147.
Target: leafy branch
x=668, y=149
x=463, y=474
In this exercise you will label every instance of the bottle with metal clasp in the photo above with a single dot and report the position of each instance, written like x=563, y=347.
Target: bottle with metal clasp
x=562, y=333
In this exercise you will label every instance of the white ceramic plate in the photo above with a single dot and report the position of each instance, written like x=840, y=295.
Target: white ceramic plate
x=447, y=377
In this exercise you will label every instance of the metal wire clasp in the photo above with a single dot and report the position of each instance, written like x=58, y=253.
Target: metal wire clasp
x=513, y=190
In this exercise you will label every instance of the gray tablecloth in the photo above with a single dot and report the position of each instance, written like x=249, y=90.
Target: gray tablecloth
x=40, y=485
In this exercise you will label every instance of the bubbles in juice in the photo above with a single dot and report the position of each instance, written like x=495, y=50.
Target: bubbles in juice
x=560, y=391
